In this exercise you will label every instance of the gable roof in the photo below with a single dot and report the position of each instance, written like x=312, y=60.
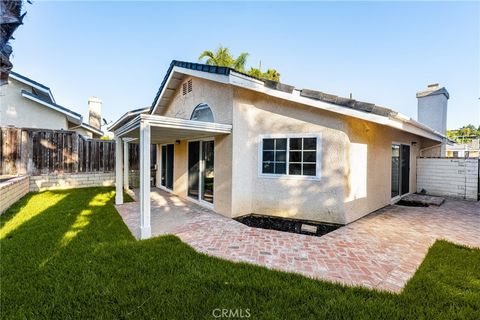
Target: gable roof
x=42, y=94
x=350, y=107
x=44, y=90
x=71, y=115
x=88, y=127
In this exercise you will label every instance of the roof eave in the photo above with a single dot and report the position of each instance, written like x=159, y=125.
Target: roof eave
x=33, y=84
x=230, y=76
x=91, y=129
x=67, y=112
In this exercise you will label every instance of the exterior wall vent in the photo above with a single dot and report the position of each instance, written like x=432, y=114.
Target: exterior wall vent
x=187, y=87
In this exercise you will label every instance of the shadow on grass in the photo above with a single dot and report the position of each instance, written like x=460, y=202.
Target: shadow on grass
x=95, y=269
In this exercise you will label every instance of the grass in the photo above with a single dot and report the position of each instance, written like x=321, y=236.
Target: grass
x=67, y=254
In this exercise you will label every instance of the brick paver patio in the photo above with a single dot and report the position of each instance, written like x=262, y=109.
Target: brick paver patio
x=382, y=250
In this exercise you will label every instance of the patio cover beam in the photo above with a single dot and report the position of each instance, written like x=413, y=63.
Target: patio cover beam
x=173, y=125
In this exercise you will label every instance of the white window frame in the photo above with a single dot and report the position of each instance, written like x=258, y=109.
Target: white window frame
x=318, y=166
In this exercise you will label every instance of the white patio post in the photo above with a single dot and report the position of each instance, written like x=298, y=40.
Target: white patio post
x=118, y=171
x=145, y=228
x=159, y=158
x=125, y=165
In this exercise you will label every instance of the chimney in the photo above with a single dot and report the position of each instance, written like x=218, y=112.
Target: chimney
x=95, y=112
x=432, y=107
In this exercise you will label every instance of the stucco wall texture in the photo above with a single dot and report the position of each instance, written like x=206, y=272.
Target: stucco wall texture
x=355, y=157
x=17, y=111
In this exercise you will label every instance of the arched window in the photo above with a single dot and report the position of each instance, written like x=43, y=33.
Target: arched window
x=202, y=112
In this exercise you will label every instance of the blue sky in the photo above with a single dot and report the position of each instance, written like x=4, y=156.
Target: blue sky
x=382, y=52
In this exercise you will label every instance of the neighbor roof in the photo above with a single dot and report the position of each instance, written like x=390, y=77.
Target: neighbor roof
x=34, y=84
x=43, y=95
x=330, y=102
x=50, y=104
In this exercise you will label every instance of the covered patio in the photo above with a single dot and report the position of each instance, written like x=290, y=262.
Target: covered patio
x=146, y=129
x=169, y=213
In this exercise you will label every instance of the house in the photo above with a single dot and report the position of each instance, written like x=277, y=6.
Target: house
x=26, y=103
x=240, y=146
x=464, y=150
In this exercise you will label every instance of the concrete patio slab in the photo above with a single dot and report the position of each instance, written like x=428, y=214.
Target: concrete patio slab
x=382, y=250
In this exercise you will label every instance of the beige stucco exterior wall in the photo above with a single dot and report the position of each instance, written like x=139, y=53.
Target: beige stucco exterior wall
x=219, y=98
x=255, y=115
x=368, y=168
x=355, y=157
x=20, y=112
x=355, y=162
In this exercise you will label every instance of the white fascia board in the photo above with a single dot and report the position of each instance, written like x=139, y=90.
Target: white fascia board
x=127, y=127
x=173, y=123
x=51, y=106
x=94, y=130
x=194, y=73
x=33, y=85
x=128, y=114
x=401, y=124
x=176, y=123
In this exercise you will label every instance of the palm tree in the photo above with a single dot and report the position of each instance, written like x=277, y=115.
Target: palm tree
x=10, y=18
x=223, y=58
x=271, y=74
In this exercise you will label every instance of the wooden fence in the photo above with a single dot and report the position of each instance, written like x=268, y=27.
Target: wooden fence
x=40, y=151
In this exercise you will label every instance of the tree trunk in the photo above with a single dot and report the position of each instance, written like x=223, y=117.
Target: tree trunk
x=10, y=18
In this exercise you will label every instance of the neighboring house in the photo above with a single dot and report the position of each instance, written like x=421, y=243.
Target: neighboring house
x=465, y=150
x=240, y=146
x=26, y=103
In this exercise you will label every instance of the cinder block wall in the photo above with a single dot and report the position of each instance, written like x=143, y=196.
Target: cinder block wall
x=71, y=180
x=452, y=177
x=11, y=191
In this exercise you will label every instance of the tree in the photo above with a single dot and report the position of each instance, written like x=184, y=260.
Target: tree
x=271, y=74
x=223, y=58
x=464, y=134
x=254, y=72
x=11, y=17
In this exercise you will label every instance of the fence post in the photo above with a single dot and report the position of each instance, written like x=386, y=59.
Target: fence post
x=75, y=152
x=23, y=152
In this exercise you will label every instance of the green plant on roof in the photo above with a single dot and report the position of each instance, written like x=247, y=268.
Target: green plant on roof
x=223, y=58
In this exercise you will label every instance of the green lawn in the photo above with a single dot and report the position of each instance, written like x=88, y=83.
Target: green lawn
x=67, y=254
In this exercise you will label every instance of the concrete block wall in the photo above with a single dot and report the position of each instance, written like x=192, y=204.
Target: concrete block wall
x=452, y=177
x=11, y=191
x=71, y=180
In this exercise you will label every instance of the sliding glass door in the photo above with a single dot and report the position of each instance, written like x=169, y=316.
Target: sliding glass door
x=201, y=170
x=400, y=177
x=166, y=177
x=395, y=171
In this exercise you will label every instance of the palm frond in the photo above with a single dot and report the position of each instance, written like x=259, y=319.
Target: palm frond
x=239, y=63
x=211, y=60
